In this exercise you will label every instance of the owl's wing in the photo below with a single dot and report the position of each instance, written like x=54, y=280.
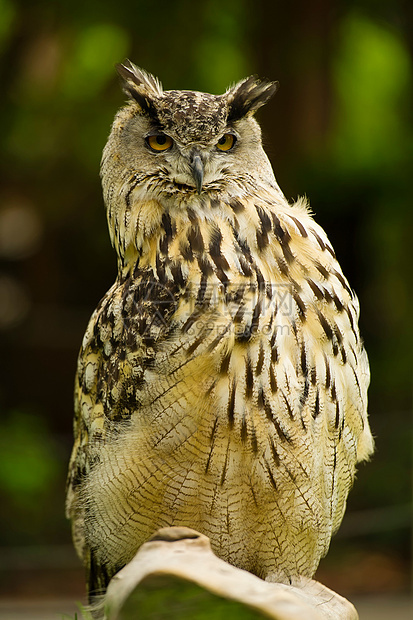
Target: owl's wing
x=306, y=367
x=114, y=378
x=92, y=390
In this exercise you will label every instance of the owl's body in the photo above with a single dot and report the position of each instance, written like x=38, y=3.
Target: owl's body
x=222, y=382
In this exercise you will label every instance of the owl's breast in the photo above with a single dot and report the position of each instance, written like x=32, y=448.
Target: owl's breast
x=230, y=381
x=213, y=435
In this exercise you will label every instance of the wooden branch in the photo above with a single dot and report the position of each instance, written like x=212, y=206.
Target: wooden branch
x=176, y=575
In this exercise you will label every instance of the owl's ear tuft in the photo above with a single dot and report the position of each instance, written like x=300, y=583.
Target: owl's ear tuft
x=139, y=85
x=246, y=97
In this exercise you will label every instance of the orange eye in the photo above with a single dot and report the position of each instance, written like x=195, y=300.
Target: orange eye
x=159, y=142
x=226, y=142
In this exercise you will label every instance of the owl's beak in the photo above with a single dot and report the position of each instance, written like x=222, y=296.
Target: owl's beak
x=197, y=168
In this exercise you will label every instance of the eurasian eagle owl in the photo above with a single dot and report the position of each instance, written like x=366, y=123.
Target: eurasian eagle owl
x=222, y=382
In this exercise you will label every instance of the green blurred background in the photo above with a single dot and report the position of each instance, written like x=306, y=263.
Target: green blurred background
x=339, y=130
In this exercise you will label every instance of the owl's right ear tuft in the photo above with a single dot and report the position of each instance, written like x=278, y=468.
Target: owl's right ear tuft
x=139, y=85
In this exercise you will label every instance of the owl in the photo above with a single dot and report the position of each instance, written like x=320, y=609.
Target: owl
x=222, y=381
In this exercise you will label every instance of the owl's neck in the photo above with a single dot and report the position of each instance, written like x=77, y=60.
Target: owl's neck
x=203, y=234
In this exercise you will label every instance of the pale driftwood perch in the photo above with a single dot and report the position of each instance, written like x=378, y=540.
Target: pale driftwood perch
x=176, y=575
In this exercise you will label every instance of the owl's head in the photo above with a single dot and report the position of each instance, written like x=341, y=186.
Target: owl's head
x=172, y=146
x=193, y=139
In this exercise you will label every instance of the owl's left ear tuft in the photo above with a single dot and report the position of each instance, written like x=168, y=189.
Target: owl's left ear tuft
x=139, y=85
x=246, y=97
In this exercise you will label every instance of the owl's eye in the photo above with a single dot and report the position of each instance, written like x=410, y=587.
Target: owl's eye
x=226, y=142
x=159, y=142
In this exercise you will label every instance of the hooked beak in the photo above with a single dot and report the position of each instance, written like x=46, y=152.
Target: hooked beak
x=197, y=168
